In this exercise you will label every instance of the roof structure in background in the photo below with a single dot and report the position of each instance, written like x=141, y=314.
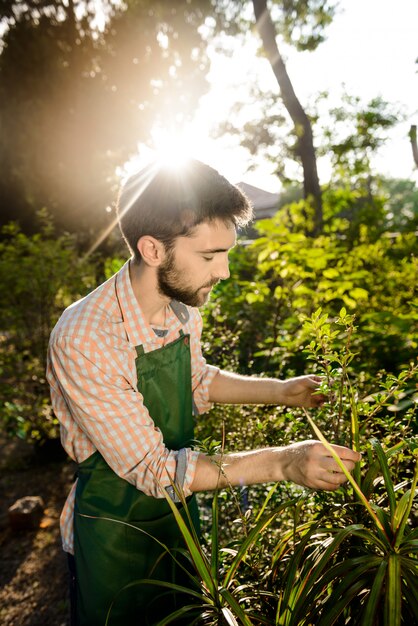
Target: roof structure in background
x=265, y=203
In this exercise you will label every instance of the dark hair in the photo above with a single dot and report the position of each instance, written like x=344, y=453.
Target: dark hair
x=167, y=203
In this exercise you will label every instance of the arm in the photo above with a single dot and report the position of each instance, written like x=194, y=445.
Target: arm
x=213, y=385
x=306, y=463
x=229, y=388
x=95, y=398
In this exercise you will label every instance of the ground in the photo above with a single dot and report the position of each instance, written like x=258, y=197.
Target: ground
x=33, y=569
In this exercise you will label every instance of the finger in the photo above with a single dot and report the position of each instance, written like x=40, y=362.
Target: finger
x=318, y=399
x=317, y=379
x=314, y=381
x=331, y=465
x=346, y=454
x=326, y=483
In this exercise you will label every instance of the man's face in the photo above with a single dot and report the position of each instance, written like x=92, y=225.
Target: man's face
x=196, y=263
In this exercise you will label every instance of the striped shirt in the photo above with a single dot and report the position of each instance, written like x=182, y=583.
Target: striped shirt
x=93, y=379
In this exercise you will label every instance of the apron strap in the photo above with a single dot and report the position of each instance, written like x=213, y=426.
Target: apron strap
x=139, y=350
x=180, y=311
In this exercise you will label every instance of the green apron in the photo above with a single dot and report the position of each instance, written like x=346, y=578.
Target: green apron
x=110, y=555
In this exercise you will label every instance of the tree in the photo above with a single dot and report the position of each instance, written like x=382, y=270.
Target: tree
x=301, y=24
x=414, y=145
x=303, y=128
x=75, y=100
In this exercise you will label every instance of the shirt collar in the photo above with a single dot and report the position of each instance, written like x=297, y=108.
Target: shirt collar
x=138, y=330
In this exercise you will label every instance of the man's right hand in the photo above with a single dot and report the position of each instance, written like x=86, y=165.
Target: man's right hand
x=310, y=464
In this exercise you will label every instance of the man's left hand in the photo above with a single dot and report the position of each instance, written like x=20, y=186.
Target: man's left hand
x=302, y=391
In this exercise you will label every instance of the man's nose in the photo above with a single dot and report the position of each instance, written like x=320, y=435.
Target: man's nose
x=223, y=269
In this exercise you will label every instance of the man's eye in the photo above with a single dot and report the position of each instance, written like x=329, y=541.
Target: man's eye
x=208, y=258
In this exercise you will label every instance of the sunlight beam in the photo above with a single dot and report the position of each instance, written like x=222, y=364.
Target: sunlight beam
x=147, y=175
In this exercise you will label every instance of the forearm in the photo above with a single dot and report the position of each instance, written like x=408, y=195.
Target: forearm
x=230, y=388
x=306, y=463
x=242, y=468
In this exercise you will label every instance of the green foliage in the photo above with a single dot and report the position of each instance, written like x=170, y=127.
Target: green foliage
x=355, y=132
x=284, y=275
x=401, y=204
x=334, y=557
x=370, y=549
x=350, y=557
x=39, y=276
x=301, y=23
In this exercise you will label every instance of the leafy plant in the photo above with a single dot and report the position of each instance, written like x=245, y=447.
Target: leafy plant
x=349, y=558
x=361, y=569
x=40, y=275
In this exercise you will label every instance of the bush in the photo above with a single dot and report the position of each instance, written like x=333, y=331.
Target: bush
x=39, y=276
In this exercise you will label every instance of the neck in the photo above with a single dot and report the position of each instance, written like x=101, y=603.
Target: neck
x=145, y=287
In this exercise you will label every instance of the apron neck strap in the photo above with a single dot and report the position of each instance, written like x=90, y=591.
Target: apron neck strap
x=180, y=311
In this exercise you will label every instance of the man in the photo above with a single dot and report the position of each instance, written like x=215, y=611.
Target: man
x=127, y=374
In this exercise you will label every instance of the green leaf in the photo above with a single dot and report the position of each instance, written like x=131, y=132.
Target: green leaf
x=172, y=587
x=386, y=474
x=403, y=521
x=410, y=592
x=340, y=578
x=383, y=518
x=192, y=542
x=306, y=582
x=337, y=606
x=393, y=596
x=248, y=542
x=347, y=474
x=239, y=612
x=182, y=612
x=359, y=294
x=267, y=499
x=215, y=538
x=400, y=511
x=331, y=272
x=368, y=616
x=229, y=618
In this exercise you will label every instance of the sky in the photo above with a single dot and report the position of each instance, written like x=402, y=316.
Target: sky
x=371, y=48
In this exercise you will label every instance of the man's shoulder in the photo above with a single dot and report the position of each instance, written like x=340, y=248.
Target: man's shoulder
x=95, y=312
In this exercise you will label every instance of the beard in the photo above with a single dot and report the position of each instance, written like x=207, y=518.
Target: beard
x=170, y=279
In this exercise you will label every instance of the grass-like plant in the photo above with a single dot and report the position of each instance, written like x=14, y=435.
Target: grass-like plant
x=364, y=572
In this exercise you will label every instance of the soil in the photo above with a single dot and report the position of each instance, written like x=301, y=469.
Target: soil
x=33, y=567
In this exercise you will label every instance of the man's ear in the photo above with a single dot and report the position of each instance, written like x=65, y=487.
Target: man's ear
x=151, y=250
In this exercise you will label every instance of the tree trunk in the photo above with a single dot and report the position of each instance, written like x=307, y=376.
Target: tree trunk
x=306, y=150
x=413, y=138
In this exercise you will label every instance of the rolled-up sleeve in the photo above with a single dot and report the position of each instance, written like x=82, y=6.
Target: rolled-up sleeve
x=107, y=409
x=202, y=373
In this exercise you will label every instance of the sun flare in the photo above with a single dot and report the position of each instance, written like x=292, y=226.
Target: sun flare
x=173, y=149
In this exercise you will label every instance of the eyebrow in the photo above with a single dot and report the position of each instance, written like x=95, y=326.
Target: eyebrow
x=213, y=250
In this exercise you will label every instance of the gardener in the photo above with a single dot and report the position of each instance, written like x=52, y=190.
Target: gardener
x=127, y=375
